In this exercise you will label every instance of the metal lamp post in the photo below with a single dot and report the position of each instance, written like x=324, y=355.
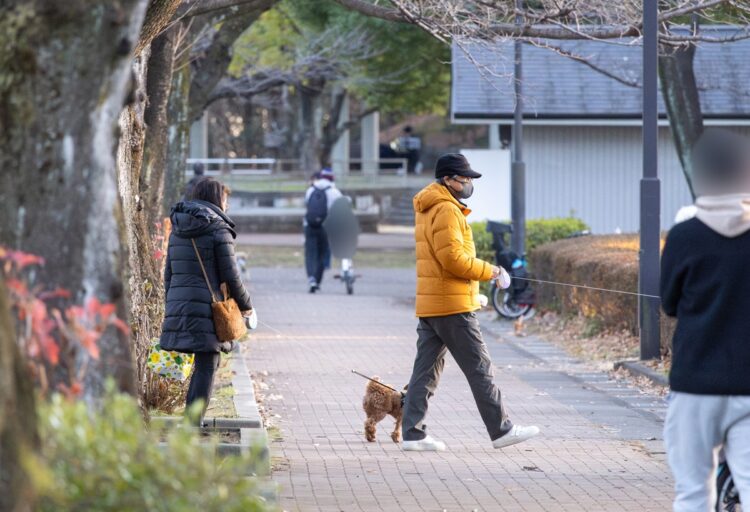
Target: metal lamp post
x=650, y=222
x=518, y=168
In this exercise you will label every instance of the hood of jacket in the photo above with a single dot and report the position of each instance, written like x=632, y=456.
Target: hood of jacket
x=728, y=215
x=434, y=194
x=191, y=219
x=322, y=184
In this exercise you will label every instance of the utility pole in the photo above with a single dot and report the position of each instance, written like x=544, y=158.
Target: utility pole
x=518, y=168
x=648, y=276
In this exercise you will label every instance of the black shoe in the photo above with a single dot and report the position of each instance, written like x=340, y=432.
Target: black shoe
x=313, y=288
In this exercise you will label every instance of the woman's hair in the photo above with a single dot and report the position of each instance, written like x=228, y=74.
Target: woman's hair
x=211, y=191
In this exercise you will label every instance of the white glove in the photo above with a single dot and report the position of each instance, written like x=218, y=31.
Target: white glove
x=251, y=321
x=483, y=300
x=503, y=280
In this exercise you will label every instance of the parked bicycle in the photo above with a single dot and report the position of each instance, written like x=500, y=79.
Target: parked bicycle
x=518, y=300
x=728, y=498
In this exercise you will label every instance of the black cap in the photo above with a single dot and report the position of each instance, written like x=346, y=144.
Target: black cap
x=454, y=164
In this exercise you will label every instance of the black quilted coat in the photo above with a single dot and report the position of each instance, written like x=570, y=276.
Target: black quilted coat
x=188, y=325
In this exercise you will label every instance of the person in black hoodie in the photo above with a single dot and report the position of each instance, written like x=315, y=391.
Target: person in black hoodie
x=705, y=283
x=188, y=323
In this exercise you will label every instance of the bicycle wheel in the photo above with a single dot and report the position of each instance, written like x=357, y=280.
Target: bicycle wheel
x=349, y=281
x=728, y=499
x=507, y=307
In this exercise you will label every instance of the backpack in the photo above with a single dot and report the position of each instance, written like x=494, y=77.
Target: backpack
x=317, y=208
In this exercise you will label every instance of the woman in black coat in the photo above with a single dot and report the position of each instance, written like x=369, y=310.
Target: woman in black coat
x=188, y=323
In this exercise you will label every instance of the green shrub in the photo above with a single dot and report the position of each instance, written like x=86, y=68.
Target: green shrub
x=542, y=231
x=483, y=241
x=538, y=232
x=109, y=461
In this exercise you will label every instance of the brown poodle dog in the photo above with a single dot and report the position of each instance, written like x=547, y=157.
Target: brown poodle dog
x=379, y=402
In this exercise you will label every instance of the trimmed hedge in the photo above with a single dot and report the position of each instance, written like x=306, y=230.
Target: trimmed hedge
x=609, y=262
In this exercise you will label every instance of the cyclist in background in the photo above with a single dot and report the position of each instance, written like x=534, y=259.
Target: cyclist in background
x=318, y=200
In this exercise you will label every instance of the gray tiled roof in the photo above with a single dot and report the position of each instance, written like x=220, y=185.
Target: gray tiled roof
x=557, y=87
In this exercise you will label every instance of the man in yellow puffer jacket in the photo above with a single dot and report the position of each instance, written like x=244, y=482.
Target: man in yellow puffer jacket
x=448, y=275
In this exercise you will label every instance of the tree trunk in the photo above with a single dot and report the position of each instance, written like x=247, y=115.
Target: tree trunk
x=141, y=162
x=682, y=101
x=141, y=179
x=18, y=429
x=331, y=129
x=252, y=133
x=308, y=131
x=65, y=72
x=158, y=16
x=158, y=87
x=178, y=133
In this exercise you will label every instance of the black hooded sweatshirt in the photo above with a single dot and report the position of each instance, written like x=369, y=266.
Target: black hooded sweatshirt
x=188, y=323
x=705, y=283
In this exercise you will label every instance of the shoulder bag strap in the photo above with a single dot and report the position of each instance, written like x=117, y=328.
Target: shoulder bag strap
x=205, y=275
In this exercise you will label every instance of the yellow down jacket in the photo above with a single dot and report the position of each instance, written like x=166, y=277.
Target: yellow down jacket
x=448, y=270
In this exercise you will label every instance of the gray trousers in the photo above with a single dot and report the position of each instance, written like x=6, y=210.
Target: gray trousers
x=460, y=335
x=695, y=428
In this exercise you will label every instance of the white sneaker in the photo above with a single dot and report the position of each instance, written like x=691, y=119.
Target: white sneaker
x=516, y=435
x=427, y=444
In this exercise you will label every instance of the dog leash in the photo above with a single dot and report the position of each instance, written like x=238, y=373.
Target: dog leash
x=593, y=288
x=375, y=381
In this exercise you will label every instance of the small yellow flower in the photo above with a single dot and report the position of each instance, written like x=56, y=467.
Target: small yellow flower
x=155, y=357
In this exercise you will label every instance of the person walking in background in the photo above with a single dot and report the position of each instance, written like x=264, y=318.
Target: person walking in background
x=448, y=275
x=200, y=225
x=199, y=171
x=705, y=280
x=411, y=146
x=318, y=200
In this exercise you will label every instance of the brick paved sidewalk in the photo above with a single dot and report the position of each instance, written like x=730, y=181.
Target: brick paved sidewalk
x=598, y=450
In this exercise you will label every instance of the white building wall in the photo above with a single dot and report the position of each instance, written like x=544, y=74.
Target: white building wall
x=593, y=172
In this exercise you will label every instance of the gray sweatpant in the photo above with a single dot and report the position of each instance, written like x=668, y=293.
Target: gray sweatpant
x=696, y=428
x=460, y=335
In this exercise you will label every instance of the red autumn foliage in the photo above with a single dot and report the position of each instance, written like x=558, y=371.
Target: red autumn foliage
x=48, y=329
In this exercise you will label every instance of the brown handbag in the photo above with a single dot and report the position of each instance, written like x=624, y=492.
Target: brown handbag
x=228, y=320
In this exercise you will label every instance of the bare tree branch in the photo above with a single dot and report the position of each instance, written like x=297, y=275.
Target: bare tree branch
x=248, y=86
x=561, y=20
x=587, y=62
x=374, y=11
x=192, y=8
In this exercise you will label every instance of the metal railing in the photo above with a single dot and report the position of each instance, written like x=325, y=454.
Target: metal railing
x=285, y=175
x=236, y=166
x=380, y=167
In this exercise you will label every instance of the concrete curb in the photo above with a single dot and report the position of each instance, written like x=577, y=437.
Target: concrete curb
x=208, y=423
x=244, y=392
x=252, y=438
x=640, y=370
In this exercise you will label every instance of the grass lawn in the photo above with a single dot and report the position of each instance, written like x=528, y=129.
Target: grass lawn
x=293, y=257
x=222, y=403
